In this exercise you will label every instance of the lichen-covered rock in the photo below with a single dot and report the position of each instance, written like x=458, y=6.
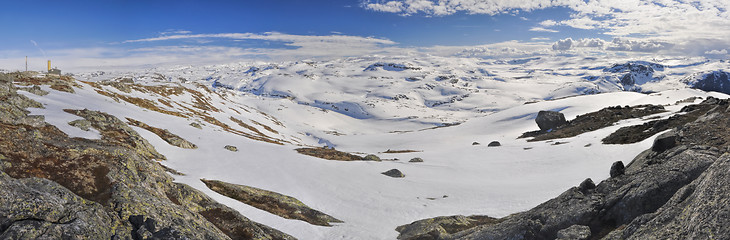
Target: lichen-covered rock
x=441, y=227
x=56, y=187
x=166, y=135
x=82, y=124
x=276, y=203
x=372, y=157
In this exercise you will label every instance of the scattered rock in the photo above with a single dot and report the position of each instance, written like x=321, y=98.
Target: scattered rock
x=494, y=144
x=617, y=169
x=475, y=143
x=575, y=232
x=372, y=157
x=588, y=145
x=35, y=89
x=231, y=148
x=416, y=159
x=393, y=173
x=275, y=203
x=548, y=120
x=196, y=125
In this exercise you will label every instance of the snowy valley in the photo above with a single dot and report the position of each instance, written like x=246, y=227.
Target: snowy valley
x=443, y=110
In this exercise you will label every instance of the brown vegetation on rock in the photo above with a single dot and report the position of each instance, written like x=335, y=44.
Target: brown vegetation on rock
x=166, y=135
x=329, y=154
x=275, y=203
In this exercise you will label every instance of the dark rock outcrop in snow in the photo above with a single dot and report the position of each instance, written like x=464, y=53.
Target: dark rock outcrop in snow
x=682, y=192
x=548, y=120
x=494, y=144
x=394, y=173
x=276, y=203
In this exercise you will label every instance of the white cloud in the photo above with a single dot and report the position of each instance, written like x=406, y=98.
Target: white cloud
x=564, y=44
x=617, y=44
x=717, y=52
x=548, y=23
x=683, y=25
x=540, y=39
x=541, y=29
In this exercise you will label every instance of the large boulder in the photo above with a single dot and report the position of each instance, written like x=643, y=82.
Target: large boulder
x=547, y=120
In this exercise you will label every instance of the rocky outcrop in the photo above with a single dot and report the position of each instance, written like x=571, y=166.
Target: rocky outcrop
x=329, y=154
x=276, y=203
x=165, y=134
x=56, y=187
x=548, y=120
x=441, y=227
x=680, y=192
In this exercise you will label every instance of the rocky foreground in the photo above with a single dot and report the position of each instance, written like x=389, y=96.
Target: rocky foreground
x=56, y=187
x=678, y=189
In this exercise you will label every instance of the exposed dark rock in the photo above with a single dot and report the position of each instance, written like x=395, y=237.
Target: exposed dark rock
x=664, y=142
x=416, y=159
x=196, y=125
x=372, y=157
x=231, y=148
x=595, y=121
x=166, y=135
x=329, y=154
x=617, y=169
x=548, y=120
x=494, y=144
x=441, y=227
x=275, y=203
x=475, y=143
x=575, y=232
x=393, y=173
x=586, y=185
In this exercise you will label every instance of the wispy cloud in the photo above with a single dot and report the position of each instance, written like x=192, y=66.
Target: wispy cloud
x=541, y=29
x=39, y=48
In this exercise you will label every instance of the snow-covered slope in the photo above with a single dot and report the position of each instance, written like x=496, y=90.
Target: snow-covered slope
x=372, y=104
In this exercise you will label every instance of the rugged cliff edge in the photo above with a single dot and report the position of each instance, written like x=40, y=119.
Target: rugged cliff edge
x=678, y=189
x=57, y=187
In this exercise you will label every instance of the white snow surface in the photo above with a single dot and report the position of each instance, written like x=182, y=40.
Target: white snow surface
x=368, y=105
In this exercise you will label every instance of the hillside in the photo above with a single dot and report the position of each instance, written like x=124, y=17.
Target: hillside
x=237, y=151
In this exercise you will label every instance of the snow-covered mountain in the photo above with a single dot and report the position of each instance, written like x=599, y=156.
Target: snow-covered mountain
x=443, y=110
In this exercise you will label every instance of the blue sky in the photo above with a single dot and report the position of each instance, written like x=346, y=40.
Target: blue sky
x=112, y=29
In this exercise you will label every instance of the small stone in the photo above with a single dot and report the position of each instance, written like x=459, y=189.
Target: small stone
x=416, y=159
x=196, y=125
x=372, y=157
x=494, y=144
x=393, y=173
x=617, y=169
x=231, y=148
x=475, y=143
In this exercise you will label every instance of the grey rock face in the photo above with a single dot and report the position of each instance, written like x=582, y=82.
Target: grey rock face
x=393, y=173
x=716, y=81
x=372, y=157
x=664, y=142
x=547, y=120
x=441, y=227
x=575, y=232
x=494, y=144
